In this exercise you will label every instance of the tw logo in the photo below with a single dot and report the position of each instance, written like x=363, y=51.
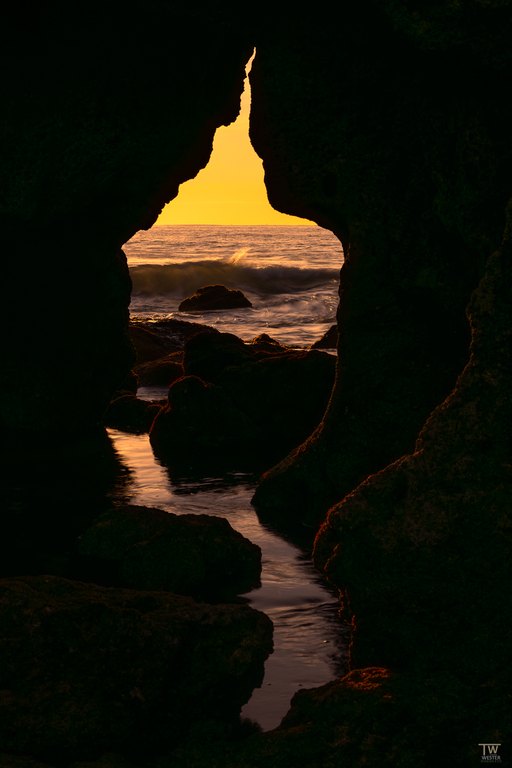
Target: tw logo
x=490, y=753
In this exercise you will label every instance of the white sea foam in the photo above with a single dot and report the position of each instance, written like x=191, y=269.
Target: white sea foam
x=184, y=277
x=290, y=274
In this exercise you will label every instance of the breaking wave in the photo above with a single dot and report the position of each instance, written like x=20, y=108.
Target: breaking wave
x=183, y=278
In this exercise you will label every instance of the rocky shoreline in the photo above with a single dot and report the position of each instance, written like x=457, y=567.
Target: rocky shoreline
x=231, y=404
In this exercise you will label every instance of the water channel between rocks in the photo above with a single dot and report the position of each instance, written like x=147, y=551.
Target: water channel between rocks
x=309, y=639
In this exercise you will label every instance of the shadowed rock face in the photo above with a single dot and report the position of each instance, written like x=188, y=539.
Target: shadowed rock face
x=145, y=548
x=86, y=670
x=240, y=407
x=418, y=543
x=423, y=550
x=109, y=110
x=405, y=156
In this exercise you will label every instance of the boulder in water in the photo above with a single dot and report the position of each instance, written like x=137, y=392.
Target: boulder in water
x=156, y=339
x=207, y=356
x=239, y=407
x=214, y=297
x=131, y=414
x=265, y=343
x=197, y=555
x=161, y=372
x=148, y=345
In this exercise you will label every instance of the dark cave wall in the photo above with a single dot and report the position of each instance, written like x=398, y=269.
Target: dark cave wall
x=107, y=110
x=392, y=129
x=390, y=132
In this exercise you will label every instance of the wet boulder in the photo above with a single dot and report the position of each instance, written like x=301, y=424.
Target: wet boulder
x=201, y=430
x=146, y=548
x=131, y=414
x=212, y=297
x=157, y=339
x=160, y=372
x=86, y=670
x=148, y=345
x=241, y=408
x=265, y=343
x=207, y=356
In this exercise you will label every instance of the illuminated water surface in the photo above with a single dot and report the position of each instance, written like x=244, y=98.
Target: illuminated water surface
x=309, y=640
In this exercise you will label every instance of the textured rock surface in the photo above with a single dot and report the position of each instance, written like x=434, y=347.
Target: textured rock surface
x=145, y=548
x=161, y=372
x=388, y=129
x=156, y=339
x=370, y=718
x=21, y=761
x=85, y=670
x=424, y=547
x=240, y=406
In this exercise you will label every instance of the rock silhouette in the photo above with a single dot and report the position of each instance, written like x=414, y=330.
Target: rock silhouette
x=214, y=297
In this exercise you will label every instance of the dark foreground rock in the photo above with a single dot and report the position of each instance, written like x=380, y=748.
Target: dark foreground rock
x=86, y=670
x=160, y=372
x=423, y=549
x=207, y=357
x=158, y=349
x=371, y=718
x=50, y=492
x=148, y=345
x=435, y=526
x=145, y=548
x=212, y=297
x=241, y=406
x=131, y=414
x=21, y=761
x=154, y=340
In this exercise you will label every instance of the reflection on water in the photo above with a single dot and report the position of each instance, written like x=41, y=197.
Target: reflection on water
x=50, y=493
x=310, y=642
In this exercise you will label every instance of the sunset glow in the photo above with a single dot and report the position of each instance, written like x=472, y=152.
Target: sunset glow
x=231, y=189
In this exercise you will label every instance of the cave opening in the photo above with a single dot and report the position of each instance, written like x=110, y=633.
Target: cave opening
x=220, y=258
x=222, y=229
x=232, y=388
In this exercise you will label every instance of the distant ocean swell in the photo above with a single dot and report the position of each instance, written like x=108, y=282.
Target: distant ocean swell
x=183, y=278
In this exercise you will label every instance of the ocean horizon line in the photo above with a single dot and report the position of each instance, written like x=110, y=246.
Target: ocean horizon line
x=203, y=224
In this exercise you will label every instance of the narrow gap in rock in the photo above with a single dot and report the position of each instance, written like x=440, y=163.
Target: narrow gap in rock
x=234, y=308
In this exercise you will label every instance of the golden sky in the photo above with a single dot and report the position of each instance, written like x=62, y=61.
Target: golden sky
x=230, y=190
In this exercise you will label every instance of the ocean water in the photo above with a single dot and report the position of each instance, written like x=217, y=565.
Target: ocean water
x=290, y=274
